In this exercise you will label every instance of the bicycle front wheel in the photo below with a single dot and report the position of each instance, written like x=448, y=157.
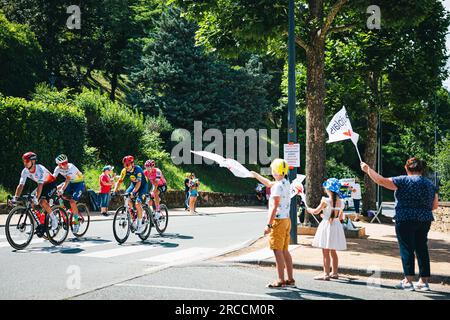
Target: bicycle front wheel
x=146, y=220
x=19, y=228
x=83, y=220
x=162, y=221
x=121, y=225
x=57, y=224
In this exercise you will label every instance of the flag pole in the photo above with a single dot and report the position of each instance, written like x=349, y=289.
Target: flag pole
x=357, y=150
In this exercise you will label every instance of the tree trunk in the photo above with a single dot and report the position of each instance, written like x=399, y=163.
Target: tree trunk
x=114, y=80
x=315, y=111
x=315, y=124
x=370, y=152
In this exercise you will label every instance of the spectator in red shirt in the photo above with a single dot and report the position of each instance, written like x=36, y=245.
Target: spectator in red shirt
x=106, y=182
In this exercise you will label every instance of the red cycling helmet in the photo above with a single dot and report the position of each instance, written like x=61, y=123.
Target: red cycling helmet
x=29, y=156
x=149, y=163
x=128, y=160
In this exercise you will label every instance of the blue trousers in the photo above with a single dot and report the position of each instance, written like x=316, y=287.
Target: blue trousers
x=412, y=239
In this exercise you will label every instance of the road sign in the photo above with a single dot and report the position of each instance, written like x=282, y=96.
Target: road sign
x=292, y=154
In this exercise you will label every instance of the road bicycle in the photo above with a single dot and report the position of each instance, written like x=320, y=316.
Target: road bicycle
x=161, y=220
x=79, y=224
x=125, y=221
x=25, y=220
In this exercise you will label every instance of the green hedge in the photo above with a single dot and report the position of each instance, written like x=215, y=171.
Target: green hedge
x=113, y=129
x=46, y=129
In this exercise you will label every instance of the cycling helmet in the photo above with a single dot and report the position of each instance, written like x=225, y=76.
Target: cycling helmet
x=29, y=156
x=127, y=160
x=280, y=167
x=149, y=163
x=61, y=159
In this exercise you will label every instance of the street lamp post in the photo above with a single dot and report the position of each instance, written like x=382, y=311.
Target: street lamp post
x=292, y=121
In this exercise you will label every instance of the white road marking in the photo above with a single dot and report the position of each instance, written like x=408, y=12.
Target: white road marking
x=258, y=255
x=179, y=255
x=233, y=293
x=117, y=252
x=75, y=245
x=34, y=241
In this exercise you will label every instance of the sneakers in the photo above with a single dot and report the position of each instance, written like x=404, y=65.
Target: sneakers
x=421, y=286
x=405, y=286
x=54, y=221
x=157, y=215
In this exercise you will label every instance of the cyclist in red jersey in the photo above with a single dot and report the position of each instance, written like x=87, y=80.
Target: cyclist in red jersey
x=156, y=179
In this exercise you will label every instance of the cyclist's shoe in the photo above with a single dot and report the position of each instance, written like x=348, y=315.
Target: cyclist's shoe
x=54, y=221
x=140, y=229
x=76, y=228
x=157, y=215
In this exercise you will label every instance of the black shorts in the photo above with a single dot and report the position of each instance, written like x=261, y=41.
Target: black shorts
x=48, y=191
x=162, y=188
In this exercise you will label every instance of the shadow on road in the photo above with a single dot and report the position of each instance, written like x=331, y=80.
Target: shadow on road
x=175, y=236
x=306, y=294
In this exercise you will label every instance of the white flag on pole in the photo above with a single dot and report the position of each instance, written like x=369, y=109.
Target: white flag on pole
x=234, y=166
x=340, y=128
x=297, y=187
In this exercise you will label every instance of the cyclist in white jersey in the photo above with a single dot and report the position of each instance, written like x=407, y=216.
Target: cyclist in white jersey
x=46, y=184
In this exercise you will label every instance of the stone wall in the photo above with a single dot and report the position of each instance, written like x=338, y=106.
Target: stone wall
x=442, y=218
x=175, y=199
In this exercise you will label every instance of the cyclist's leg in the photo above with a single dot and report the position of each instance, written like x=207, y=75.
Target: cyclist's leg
x=161, y=190
x=48, y=191
x=76, y=191
x=157, y=191
x=130, y=190
x=140, y=199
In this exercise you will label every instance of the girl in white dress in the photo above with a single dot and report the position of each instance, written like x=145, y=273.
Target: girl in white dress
x=330, y=233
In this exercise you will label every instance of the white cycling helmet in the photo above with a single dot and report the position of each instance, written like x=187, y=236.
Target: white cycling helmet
x=61, y=159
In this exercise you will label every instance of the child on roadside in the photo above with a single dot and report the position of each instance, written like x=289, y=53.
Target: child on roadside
x=106, y=182
x=278, y=221
x=330, y=233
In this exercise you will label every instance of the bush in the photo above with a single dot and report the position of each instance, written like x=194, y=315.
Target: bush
x=339, y=170
x=443, y=169
x=46, y=129
x=21, y=58
x=112, y=128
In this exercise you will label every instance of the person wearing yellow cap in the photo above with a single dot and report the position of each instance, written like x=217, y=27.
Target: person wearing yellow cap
x=278, y=221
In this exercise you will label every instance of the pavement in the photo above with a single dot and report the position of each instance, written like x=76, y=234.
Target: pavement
x=378, y=254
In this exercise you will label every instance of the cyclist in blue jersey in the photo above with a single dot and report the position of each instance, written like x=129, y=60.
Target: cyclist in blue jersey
x=137, y=189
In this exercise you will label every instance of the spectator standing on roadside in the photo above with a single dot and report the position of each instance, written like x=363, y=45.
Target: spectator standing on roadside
x=106, y=182
x=356, y=196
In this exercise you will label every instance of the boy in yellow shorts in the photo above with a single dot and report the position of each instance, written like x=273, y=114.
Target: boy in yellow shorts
x=278, y=221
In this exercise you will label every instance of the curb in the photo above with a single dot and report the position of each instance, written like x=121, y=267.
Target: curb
x=386, y=274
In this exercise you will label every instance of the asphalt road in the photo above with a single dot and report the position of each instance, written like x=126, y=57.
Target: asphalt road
x=48, y=272
x=175, y=266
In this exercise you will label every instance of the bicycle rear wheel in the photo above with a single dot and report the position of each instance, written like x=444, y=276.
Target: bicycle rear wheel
x=83, y=220
x=19, y=228
x=146, y=220
x=121, y=225
x=58, y=235
x=163, y=220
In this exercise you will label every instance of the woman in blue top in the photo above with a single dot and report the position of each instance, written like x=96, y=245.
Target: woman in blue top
x=415, y=199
